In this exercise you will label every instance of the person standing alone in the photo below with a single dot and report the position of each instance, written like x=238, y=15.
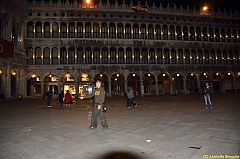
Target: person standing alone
x=99, y=99
x=68, y=99
x=49, y=97
x=207, y=91
x=60, y=99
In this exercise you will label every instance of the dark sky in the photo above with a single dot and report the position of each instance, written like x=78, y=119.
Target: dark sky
x=233, y=4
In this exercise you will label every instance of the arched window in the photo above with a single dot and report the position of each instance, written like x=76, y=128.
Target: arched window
x=121, y=56
x=55, y=30
x=112, y=30
x=63, y=30
x=63, y=56
x=223, y=35
x=80, y=56
x=166, y=56
x=104, y=30
x=158, y=32
x=192, y=33
x=212, y=57
x=120, y=32
x=96, y=30
x=234, y=36
x=127, y=31
x=230, y=57
x=224, y=57
x=144, y=56
x=198, y=33
x=129, y=55
x=105, y=55
x=236, y=57
x=71, y=30
x=30, y=55
x=185, y=33
x=30, y=30
x=187, y=56
x=204, y=32
x=46, y=56
x=173, y=56
x=206, y=56
x=88, y=30
x=217, y=34
x=152, y=56
x=46, y=30
x=180, y=56
x=165, y=32
x=150, y=32
x=179, y=33
x=143, y=31
x=159, y=56
x=79, y=30
x=211, y=35
x=38, y=30
x=55, y=56
x=172, y=32
x=38, y=56
x=71, y=55
x=113, y=55
x=136, y=56
x=135, y=31
x=194, y=56
x=219, y=57
x=229, y=35
x=96, y=55
x=88, y=56
x=200, y=57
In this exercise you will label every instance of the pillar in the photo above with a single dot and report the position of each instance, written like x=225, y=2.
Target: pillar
x=110, y=87
x=156, y=85
x=8, y=80
x=142, y=88
x=42, y=86
x=125, y=85
x=171, y=86
x=185, y=85
x=59, y=85
x=76, y=85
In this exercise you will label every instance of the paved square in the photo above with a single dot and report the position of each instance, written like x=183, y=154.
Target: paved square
x=163, y=127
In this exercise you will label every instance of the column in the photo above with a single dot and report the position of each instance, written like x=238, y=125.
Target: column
x=76, y=86
x=50, y=29
x=42, y=86
x=185, y=85
x=42, y=55
x=83, y=30
x=125, y=85
x=142, y=88
x=59, y=85
x=110, y=87
x=67, y=55
x=8, y=80
x=42, y=30
x=156, y=85
x=59, y=56
x=171, y=85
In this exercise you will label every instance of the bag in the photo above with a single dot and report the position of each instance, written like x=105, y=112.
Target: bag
x=103, y=109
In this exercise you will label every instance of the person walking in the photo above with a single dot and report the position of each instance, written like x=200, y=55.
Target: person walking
x=68, y=100
x=207, y=92
x=60, y=99
x=49, y=97
x=130, y=96
x=134, y=98
x=99, y=99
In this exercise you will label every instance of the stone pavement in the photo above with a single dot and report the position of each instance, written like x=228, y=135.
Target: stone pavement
x=163, y=127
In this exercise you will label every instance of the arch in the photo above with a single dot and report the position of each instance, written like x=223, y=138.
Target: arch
x=55, y=30
x=46, y=29
x=149, y=81
x=177, y=81
x=30, y=29
x=38, y=29
x=71, y=30
x=133, y=80
x=136, y=55
x=192, y=82
x=164, y=82
x=118, y=83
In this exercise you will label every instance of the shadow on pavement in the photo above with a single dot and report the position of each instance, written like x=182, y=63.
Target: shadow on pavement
x=119, y=155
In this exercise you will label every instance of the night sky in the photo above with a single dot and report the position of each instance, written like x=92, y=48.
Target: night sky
x=233, y=4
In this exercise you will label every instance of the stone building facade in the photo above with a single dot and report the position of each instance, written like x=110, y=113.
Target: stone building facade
x=65, y=44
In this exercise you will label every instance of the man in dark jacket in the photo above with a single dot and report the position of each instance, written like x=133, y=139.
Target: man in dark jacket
x=49, y=97
x=60, y=98
x=99, y=98
x=207, y=91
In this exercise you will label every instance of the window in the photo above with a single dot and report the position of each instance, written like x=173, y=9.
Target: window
x=96, y=56
x=179, y=33
x=136, y=56
x=121, y=56
x=159, y=56
x=129, y=55
x=200, y=57
x=30, y=30
x=212, y=57
x=63, y=30
x=38, y=56
x=217, y=38
x=173, y=56
x=206, y=57
x=105, y=55
x=144, y=56
x=219, y=57
x=150, y=32
x=198, y=34
x=120, y=34
x=180, y=56
x=112, y=31
x=79, y=30
x=158, y=32
x=165, y=32
x=54, y=56
x=211, y=38
x=128, y=31
x=166, y=56
x=88, y=30
x=112, y=55
x=204, y=32
x=55, y=30
x=135, y=31
x=46, y=56
x=88, y=56
x=46, y=30
x=104, y=30
x=192, y=33
x=30, y=55
x=230, y=57
x=38, y=30
x=152, y=56
x=187, y=56
x=143, y=32
x=223, y=35
x=194, y=57
x=63, y=56
x=80, y=56
x=71, y=30
x=96, y=30
x=71, y=55
x=172, y=32
x=229, y=35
